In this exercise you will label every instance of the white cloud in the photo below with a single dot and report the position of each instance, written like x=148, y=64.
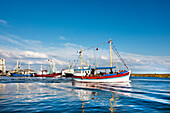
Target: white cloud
x=18, y=42
x=34, y=52
x=31, y=54
x=8, y=39
x=71, y=45
x=146, y=59
x=32, y=41
x=6, y=53
x=147, y=63
x=141, y=67
x=13, y=41
x=104, y=57
x=62, y=38
x=3, y=22
x=60, y=62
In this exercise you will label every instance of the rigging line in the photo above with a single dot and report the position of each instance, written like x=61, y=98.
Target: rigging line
x=75, y=54
x=77, y=61
x=117, y=53
x=86, y=62
x=72, y=64
x=94, y=58
x=100, y=44
x=114, y=61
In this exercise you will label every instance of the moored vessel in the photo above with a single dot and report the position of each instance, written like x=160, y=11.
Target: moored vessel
x=17, y=72
x=52, y=73
x=101, y=74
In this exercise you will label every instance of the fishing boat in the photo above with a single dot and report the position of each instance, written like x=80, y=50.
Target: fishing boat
x=22, y=72
x=21, y=75
x=44, y=73
x=68, y=72
x=52, y=73
x=103, y=74
x=48, y=75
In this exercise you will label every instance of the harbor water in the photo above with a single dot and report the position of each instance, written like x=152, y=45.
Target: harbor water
x=142, y=94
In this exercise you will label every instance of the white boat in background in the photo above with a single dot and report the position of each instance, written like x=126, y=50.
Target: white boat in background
x=68, y=72
x=101, y=74
x=17, y=72
x=51, y=73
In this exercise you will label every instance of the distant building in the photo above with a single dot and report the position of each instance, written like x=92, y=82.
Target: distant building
x=2, y=65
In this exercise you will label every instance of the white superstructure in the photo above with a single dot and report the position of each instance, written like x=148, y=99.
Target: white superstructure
x=2, y=65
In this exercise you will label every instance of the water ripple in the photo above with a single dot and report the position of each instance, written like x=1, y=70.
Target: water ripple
x=65, y=95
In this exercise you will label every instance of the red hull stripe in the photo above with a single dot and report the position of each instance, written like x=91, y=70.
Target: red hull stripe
x=103, y=77
x=50, y=75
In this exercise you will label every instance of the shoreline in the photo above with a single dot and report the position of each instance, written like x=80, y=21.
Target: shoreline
x=139, y=75
x=151, y=75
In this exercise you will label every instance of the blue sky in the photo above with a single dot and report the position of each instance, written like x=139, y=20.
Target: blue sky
x=138, y=28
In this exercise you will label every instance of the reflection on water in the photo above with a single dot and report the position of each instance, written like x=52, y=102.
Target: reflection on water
x=113, y=88
x=117, y=88
x=113, y=102
x=30, y=92
x=63, y=95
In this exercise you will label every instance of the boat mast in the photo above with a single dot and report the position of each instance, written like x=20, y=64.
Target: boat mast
x=53, y=66
x=51, y=69
x=112, y=57
x=115, y=63
x=41, y=67
x=69, y=66
x=110, y=53
x=17, y=65
x=81, y=58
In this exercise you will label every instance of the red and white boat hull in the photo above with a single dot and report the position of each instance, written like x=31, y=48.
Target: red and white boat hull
x=48, y=75
x=111, y=78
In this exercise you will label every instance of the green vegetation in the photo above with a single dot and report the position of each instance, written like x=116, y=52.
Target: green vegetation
x=152, y=75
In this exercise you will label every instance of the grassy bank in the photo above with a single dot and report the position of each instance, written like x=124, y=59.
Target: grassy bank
x=152, y=75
